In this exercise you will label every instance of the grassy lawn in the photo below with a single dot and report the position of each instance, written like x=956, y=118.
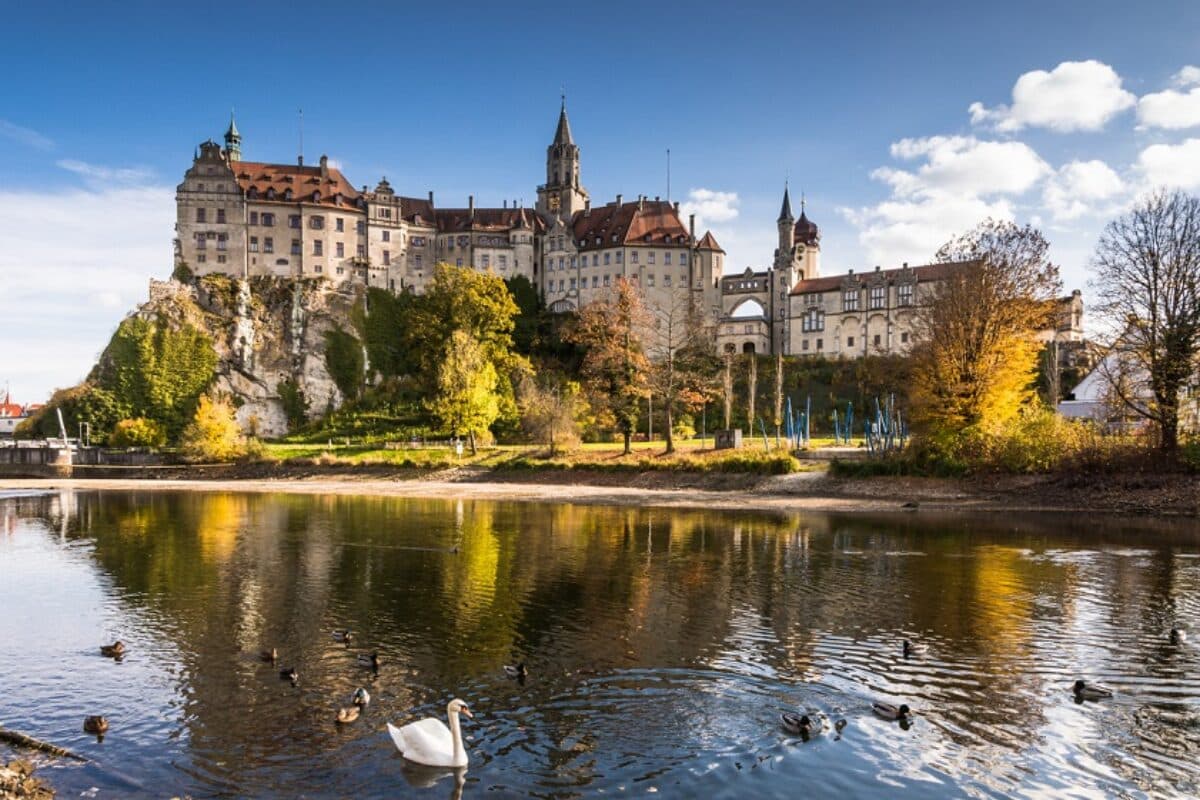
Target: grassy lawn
x=646, y=456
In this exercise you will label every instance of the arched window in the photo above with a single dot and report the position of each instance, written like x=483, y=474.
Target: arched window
x=749, y=309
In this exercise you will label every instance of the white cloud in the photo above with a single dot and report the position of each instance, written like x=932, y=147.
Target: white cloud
x=77, y=261
x=101, y=175
x=964, y=164
x=1188, y=76
x=1170, y=109
x=1174, y=165
x=912, y=230
x=710, y=206
x=26, y=136
x=1077, y=187
x=1074, y=96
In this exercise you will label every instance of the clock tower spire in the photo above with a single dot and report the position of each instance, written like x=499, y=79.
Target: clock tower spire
x=563, y=193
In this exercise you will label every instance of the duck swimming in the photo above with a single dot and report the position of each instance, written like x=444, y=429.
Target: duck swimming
x=891, y=712
x=369, y=660
x=911, y=649
x=289, y=674
x=348, y=714
x=802, y=724
x=1177, y=636
x=343, y=635
x=517, y=671
x=361, y=697
x=1090, y=691
x=97, y=725
x=114, y=650
x=269, y=655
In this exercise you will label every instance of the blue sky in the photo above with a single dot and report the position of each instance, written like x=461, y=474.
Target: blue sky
x=866, y=108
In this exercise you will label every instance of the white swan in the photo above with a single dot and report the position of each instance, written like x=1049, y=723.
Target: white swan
x=430, y=742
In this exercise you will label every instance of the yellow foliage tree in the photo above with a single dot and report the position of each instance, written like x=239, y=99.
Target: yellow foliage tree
x=213, y=434
x=976, y=351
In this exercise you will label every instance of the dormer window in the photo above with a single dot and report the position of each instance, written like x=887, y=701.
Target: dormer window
x=316, y=197
x=270, y=194
x=252, y=193
x=287, y=194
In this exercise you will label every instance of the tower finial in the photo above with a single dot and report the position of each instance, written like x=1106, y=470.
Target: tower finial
x=562, y=93
x=801, y=202
x=785, y=211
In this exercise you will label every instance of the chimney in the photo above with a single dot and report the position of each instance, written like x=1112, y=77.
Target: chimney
x=506, y=204
x=905, y=265
x=620, y=197
x=587, y=206
x=471, y=205
x=676, y=204
x=299, y=161
x=431, y=198
x=877, y=268
x=641, y=201
x=657, y=198
x=692, y=226
x=324, y=167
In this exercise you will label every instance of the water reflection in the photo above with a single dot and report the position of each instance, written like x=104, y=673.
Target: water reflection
x=661, y=646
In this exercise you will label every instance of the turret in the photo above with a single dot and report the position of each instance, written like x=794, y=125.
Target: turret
x=233, y=140
x=563, y=193
x=785, y=224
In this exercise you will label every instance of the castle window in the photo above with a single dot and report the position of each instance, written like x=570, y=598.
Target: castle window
x=220, y=259
x=850, y=300
x=650, y=257
x=221, y=216
x=606, y=280
x=820, y=344
x=503, y=261
x=572, y=283
x=316, y=223
x=812, y=320
x=487, y=261
x=667, y=279
x=633, y=257
x=650, y=279
x=200, y=186
x=293, y=220
x=417, y=261
x=904, y=337
x=458, y=262
x=268, y=220
x=667, y=257
x=387, y=257
x=201, y=258
x=620, y=256
x=339, y=225
x=904, y=294
x=849, y=341
x=595, y=281
x=804, y=344
x=877, y=340
x=253, y=244
x=562, y=262
x=318, y=247
x=201, y=215
x=271, y=194
x=340, y=250
x=201, y=241
x=606, y=257
x=318, y=268
x=287, y=194
x=295, y=247
x=222, y=241
x=268, y=244
x=361, y=251
x=253, y=217
x=878, y=296
x=360, y=227
x=387, y=236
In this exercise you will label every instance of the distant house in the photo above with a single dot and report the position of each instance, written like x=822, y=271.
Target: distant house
x=11, y=415
x=1095, y=397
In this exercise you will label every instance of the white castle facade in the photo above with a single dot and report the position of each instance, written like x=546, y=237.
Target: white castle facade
x=246, y=219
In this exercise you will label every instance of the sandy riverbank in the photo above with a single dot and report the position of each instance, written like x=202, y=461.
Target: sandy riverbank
x=812, y=491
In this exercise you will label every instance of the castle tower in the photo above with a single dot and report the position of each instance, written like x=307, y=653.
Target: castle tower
x=563, y=193
x=806, y=250
x=233, y=141
x=785, y=223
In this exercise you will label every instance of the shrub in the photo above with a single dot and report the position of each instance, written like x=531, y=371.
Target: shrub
x=137, y=432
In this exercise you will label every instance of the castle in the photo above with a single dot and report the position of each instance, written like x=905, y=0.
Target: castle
x=244, y=219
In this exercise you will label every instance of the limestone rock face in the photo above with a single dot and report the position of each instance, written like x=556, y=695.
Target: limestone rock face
x=265, y=331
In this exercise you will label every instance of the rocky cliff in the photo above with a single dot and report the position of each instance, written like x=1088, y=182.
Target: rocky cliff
x=266, y=331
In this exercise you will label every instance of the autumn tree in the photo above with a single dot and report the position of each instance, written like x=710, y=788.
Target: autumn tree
x=680, y=348
x=976, y=350
x=1147, y=266
x=465, y=400
x=214, y=433
x=552, y=410
x=614, y=366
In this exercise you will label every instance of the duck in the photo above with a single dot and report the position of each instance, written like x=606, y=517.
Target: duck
x=911, y=649
x=891, y=712
x=348, y=714
x=361, y=697
x=516, y=671
x=289, y=674
x=369, y=660
x=802, y=724
x=343, y=635
x=1177, y=636
x=430, y=742
x=97, y=725
x=269, y=655
x=114, y=650
x=1090, y=691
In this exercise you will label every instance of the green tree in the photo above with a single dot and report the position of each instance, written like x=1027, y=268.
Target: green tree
x=615, y=366
x=139, y=432
x=344, y=361
x=295, y=404
x=466, y=399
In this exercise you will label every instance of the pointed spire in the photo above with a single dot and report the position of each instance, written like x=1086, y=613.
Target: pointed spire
x=233, y=131
x=785, y=213
x=563, y=134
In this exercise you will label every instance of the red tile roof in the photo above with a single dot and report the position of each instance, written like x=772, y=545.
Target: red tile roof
x=650, y=222
x=451, y=220
x=302, y=181
x=412, y=207
x=925, y=272
x=709, y=242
